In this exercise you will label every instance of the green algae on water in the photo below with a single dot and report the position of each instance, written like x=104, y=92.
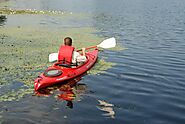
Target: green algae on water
x=26, y=49
x=15, y=95
x=100, y=67
x=9, y=11
x=24, y=54
x=28, y=11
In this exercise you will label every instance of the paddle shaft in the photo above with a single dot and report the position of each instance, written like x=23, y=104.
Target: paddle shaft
x=87, y=48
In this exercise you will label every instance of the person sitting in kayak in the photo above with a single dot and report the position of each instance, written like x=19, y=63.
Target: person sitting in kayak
x=68, y=55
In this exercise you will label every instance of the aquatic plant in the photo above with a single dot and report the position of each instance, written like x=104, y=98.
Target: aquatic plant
x=10, y=11
x=100, y=67
x=24, y=53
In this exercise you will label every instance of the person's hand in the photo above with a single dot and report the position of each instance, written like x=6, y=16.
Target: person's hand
x=83, y=49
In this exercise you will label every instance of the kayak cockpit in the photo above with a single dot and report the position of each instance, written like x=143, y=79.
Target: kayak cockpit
x=72, y=65
x=64, y=65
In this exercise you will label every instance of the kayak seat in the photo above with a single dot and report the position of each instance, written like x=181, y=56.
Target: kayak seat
x=66, y=65
x=63, y=65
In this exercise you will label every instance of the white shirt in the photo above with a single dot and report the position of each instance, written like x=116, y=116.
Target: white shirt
x=77, y=57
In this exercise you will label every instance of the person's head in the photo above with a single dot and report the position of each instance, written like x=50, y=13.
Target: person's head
x=68, y=41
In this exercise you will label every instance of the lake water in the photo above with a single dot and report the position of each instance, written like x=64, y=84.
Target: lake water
x=145, y=86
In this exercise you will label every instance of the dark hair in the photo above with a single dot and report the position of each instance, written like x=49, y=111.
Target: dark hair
x=68, y=41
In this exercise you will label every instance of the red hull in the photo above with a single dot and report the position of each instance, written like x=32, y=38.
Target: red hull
x=67, y=73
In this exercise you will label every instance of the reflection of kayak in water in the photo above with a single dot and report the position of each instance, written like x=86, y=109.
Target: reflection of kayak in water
x=59, y=73
x=71, y=90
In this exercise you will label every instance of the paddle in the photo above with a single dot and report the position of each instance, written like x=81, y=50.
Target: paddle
x=105, y=44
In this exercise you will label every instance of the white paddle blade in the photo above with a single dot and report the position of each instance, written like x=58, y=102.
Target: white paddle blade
x=53, y=57
x=108, y=43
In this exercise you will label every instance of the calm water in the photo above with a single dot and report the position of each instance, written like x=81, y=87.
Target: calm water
x=147, y=84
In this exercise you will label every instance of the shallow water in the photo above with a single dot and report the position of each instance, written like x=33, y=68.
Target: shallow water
x=145, y=85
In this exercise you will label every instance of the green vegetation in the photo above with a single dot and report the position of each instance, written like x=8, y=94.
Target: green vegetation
x=101, y=66
x=29, y=11
x=24, y=54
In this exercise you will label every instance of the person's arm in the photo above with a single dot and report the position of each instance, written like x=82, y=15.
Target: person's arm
x=83, y=51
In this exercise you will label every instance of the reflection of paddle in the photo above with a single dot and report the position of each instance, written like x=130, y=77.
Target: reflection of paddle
x=108, y=43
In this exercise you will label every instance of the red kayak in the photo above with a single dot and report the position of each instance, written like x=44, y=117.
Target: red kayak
x=59, y=73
